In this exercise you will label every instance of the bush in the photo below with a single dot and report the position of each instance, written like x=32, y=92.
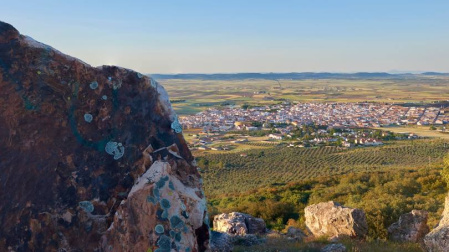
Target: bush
x=445, y=172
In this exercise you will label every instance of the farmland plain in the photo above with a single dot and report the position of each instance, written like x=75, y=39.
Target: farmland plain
x=191, y=96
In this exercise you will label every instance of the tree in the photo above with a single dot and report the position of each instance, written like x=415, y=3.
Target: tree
x=256, y=124
x=339, y=142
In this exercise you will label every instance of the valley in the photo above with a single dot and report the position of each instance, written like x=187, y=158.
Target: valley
x=257, y=155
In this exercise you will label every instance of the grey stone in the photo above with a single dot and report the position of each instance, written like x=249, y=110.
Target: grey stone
x=411, y=227
x=333, y=220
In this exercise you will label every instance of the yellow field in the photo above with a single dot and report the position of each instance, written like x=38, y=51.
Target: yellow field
x=252, y=144
x=423, y=131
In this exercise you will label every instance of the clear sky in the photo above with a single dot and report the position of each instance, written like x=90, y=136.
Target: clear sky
x=199, y=36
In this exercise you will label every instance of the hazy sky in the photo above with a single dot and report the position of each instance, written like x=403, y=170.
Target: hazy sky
x=188, y=36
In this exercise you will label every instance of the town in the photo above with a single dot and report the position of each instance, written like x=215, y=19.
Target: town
x=335, y=115
x=306, y=125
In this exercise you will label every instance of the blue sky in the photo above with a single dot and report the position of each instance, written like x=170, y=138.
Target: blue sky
x=172, y=36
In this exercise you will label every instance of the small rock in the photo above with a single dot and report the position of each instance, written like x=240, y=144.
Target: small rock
x=335, y=247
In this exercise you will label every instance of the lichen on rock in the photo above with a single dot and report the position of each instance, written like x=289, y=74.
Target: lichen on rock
x=176, y=126
x=169, y=203
x=93, y=85
x=115, y=149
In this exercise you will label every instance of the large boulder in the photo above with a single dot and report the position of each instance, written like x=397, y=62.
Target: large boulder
x=232, y=223
x=333, y=220
x=236, y=223
x=411, y=227
x=91, y=158
x=438, y=239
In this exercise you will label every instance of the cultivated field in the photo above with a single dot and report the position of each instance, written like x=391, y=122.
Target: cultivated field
x=234, y=173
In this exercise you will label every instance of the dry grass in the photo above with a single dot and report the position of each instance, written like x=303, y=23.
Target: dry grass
x=423, y=131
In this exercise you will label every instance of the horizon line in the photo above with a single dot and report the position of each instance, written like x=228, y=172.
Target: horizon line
x=394, y=72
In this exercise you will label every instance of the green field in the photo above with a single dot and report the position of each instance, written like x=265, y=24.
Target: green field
x=203, y=94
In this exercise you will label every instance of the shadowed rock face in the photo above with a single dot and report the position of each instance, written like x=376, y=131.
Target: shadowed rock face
x=74, y=141
x=411, y=227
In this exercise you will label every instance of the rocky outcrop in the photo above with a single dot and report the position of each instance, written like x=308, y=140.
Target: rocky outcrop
x=438, y=239
x=333, y=220
x=411, y=227
x=91, y=157
x=236, y=223
x=173, y=213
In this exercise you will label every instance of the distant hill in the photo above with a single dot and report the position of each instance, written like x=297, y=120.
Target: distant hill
x=293, y=76
x=435, y=73
x=271, y=76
